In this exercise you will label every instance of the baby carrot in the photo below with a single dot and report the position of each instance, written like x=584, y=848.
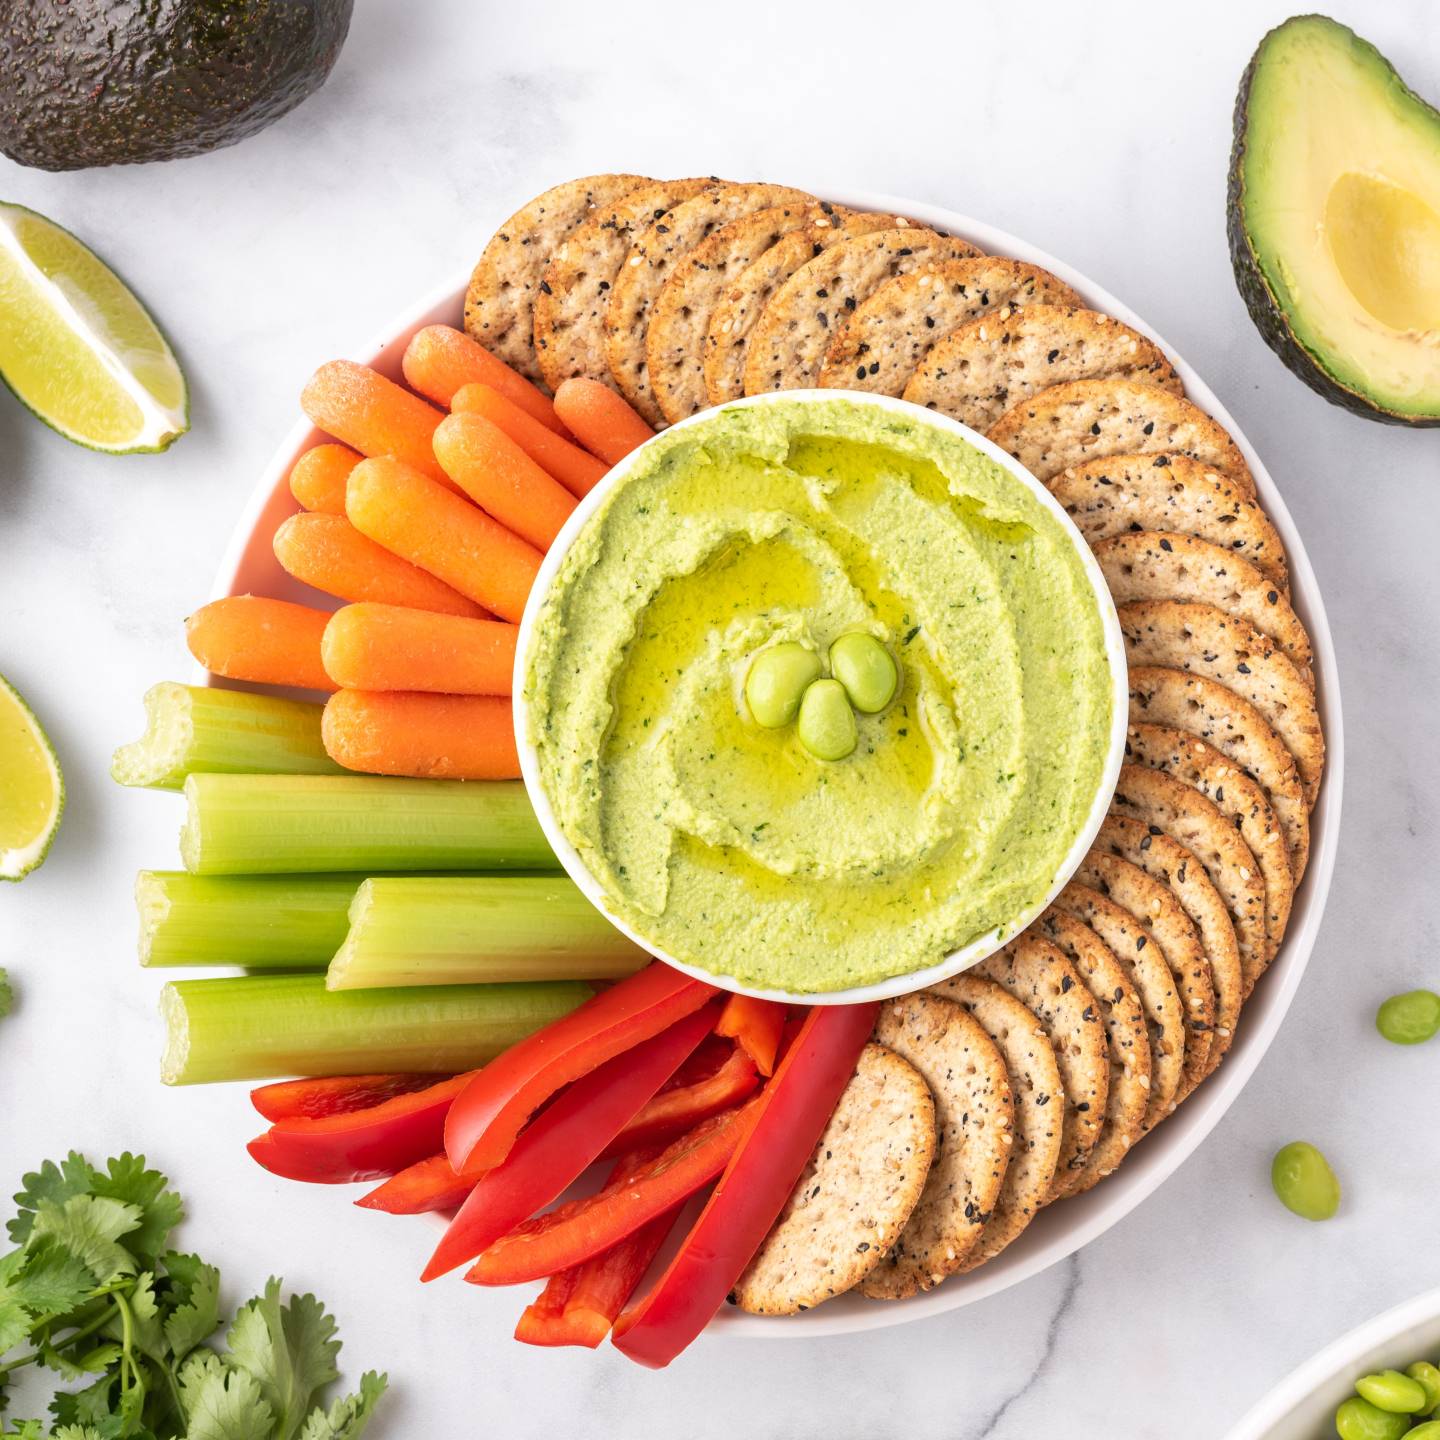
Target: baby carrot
x=501, y=478
x=317, y=479
x=387, y=647
x=424, y=523
x=573, y=467
x=373, y=415
x=429, y=737
x=601, y=420
x=250, y=637
x=328, y=552
x=439, y=360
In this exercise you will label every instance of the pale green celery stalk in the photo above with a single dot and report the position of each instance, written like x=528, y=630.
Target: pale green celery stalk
x=480, y=929
x=262, y=922
x=257, y=1027
x=192, y=729
x=286, y=824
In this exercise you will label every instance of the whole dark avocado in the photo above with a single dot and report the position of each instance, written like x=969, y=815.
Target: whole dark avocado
x=1333, y=216
x=116, y=82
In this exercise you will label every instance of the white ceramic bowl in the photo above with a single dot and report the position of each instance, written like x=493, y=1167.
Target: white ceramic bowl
x=977, y=949
x=1302, y=1406
x=249, y=565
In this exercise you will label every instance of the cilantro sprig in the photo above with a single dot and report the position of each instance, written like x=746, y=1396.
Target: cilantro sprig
x=93, y=1291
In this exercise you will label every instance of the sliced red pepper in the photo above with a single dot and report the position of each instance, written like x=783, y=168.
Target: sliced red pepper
x=429, y=1184
x=361, y=1144
x=756, y=1026
x=679, y=1108
x=564, y=1140
x=494, y=1106
x=791, y=1113
x=581, y=1229
x=332, y=1094
x=579, y=1305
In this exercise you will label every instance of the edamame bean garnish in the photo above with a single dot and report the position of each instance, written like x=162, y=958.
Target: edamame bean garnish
x=1389, y=1404
x=1428, y=1377
x=1390, y=1390
x=827, y=723
x=1358, y=1419
x=1304, y=1181
x=866, y=669
x=777, y=680
x=1411, y=1018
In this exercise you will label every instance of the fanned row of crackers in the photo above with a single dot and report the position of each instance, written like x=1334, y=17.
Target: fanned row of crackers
x=1029, y=1078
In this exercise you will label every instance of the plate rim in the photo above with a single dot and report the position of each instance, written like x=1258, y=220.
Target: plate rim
x=1163, y=1152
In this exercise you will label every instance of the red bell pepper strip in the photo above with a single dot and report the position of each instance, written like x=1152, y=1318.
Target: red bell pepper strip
x=564, y=1140
x=360, y=1144
x=500, y=1098
x=581, y=1229
x=679, y=1108
x=332, y=1094
x=756, y=1026
x=429, y=1184
x=792, y=1112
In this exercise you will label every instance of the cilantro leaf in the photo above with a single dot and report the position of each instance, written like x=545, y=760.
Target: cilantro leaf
x=290, y=1351
x=90, y=1227
x=126, y=1179
x=15, y=1323
x=50, y=1281
x=229, y=1405
x=194, y=1300
x=347, y=1418
x=193, y=1374
x=56, y=1183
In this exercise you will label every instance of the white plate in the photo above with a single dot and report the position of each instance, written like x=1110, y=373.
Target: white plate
x=250, y=565
x=1302, y=1406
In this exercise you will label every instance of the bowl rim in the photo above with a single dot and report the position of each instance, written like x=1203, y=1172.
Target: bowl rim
x=982, y=945
x=1061, y=1231
x=1334, y=1362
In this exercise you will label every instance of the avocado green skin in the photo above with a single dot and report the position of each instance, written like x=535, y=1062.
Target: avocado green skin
x=117, y=82
x=1261, y=301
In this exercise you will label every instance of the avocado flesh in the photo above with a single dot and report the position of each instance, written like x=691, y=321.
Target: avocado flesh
x=1335, y=220
x=114, y=82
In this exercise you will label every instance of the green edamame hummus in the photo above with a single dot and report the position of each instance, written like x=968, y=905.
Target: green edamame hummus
x=728, y=845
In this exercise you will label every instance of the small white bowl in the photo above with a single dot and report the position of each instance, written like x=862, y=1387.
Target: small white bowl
x=1302, y=1406
x=975, y=950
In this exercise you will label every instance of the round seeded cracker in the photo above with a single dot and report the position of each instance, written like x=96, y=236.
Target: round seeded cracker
x=854, y=1196
x=975, y=1132
x=569, y=308
x=795, y=330
x=1116, y=494
x=978, y=371
x=498, y=304
x=1040, y=975
x=1127, y=1040
x=1069, y=424
x=1205, y=641
x=1038, y=1094
x=892, y=331
x=652, y=258
x=727, y=340
x=1237, y=729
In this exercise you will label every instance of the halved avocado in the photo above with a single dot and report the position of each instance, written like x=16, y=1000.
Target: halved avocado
x=1334, y=220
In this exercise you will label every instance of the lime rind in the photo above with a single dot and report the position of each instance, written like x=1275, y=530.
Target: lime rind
x=18, y=861
x=146, y=376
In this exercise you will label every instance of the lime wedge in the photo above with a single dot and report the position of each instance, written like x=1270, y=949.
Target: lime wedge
x=77, y=347
x=32, y=790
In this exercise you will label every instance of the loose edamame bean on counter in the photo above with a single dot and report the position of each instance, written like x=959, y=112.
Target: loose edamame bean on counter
x=827, y=723
x=1390, y=1390
x=1411, y=1018
x=1304, y=1181
x=777, y=680
x=1358, y=1419
x=866, y=669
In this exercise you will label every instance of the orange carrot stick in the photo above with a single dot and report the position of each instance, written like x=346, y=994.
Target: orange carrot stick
x=574, y=468
x=439, y=360
x=424, y=523
x=432, y=737
x=387, y=647
x=317, y=479
x=328, y=552
x=501, y=478
x=601, y=420
x=250, y=637
x=373, y=415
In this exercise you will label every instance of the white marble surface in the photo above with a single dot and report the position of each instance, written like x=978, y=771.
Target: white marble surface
x=1099, y=131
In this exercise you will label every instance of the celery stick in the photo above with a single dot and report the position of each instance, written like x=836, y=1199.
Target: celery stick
x=193, y=729
x=463, y=930
x=256, y=1027
x=280, y=824
x=264, y=922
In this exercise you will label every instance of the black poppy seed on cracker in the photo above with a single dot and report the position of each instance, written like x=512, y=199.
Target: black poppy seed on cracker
x=1095, y=428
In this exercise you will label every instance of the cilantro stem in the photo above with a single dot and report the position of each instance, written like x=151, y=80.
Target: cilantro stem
x=82, y=1332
